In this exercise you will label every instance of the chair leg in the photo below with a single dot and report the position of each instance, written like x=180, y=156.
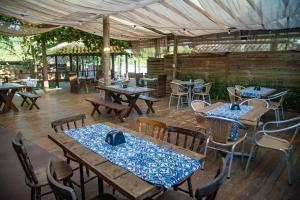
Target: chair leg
x=243, y=151
x=170, y=101
x=190, y=187
x=209, y=99
x=288, y=156
x=249, y=159
x=38, y=193
x=276, y=116
x=32, y=193
x=230, y=164
x=178, y=102
x=205, y=152
x=282, y=113
x=87, y=171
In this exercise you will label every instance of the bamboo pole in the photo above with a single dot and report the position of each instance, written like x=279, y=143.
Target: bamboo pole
x=106, y=50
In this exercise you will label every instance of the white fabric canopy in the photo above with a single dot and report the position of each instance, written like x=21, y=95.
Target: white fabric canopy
x=144, y=19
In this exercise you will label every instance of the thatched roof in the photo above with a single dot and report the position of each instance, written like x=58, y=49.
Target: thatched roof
x=78, y=48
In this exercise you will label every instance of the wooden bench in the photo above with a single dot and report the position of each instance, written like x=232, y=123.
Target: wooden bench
x=32, y=97
x=116, y=107
x=149, y=101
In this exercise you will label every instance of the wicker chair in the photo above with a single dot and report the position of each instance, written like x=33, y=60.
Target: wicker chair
x=233, y=97
x=36, y=177
x=65, y=192
x=205, y=93
x=276, y=104
x=208, y=192
x=264, y=138
x=175, y=93
x=151, y=127
x=188, y=139
x=197, y=105
x=238, y=89
x=220, y=129
x=256, y=103
x=199, y=81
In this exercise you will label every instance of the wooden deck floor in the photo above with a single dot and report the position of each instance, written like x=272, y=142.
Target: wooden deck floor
x=267, y=178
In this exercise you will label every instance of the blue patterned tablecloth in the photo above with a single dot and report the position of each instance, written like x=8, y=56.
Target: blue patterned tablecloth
x=129, y=89
x=250, y=92
x=151, y=162
x=224, y=111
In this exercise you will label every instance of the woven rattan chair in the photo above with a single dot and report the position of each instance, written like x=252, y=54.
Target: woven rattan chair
x=220, y=129
x=256, y=103
x=188, y=139
x=199, y=81
x=205, y=93
x=175, y=93
x=208, y=192
x=151, y=127
x=36, y=177
x=264, y=138
x=65, y=192
x=197, y=105
x=238, y=89
x=276, y=104
x=233, y=97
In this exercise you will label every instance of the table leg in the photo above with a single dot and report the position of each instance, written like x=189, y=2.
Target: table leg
x=8, y=101
x=132, y=104
x=100, y=188
x=82, y=182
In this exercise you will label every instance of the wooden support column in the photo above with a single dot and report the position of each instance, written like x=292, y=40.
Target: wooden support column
x=175, y=57
x=45, y=67
x=112, y=66
x=71, y=63
x=77, y=65
x=56, y=72
x=157, y=48
x=106, y=50
x=126, y=64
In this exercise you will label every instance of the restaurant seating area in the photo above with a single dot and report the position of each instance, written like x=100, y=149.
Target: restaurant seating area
x=149, y=100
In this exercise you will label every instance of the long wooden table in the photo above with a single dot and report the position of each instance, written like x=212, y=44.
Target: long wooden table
x=7, y=92
x=132, y=94
x=122, y=180
x=251, y=118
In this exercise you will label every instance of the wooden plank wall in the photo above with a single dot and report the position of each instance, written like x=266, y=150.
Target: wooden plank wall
x=277, y=68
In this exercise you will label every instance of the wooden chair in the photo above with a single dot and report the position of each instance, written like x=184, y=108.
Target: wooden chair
x=220, y=129
x=205, y=93
x=151, y=127
x=208, y=192
x=67, y=123
x=197, y=105
x=175, y=93
x=188, y=139
x=276, y=104
x=62, y=191
x=233, y=97
x=264, y=138
x=36, y=177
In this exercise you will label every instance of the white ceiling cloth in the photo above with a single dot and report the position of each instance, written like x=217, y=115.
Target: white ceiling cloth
x=138, y=19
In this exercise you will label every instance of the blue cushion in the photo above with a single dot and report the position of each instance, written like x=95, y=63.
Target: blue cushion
x=182, y=89
x=234, y=133
x=198, y=88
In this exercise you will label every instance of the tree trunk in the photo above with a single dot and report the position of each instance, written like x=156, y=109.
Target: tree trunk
x=45, y=68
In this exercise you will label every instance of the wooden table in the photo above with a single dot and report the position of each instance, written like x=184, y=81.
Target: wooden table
x=7, y=92
x=122, y=180
x=250, y=92
x=131, y=93
x=250, y=119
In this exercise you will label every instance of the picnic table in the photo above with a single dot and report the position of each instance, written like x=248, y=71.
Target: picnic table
x=7, y=92
x=131, y=93
x=128, y=167
x=261, y=93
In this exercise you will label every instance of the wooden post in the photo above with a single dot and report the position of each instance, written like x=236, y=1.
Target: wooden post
x=45, y=68
x=56, y=72
x=71, y=63
x=112, y=66
x=77, y=65
x=126, y=64
x=157, y=48
x=106, y=50
x=175, y=57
